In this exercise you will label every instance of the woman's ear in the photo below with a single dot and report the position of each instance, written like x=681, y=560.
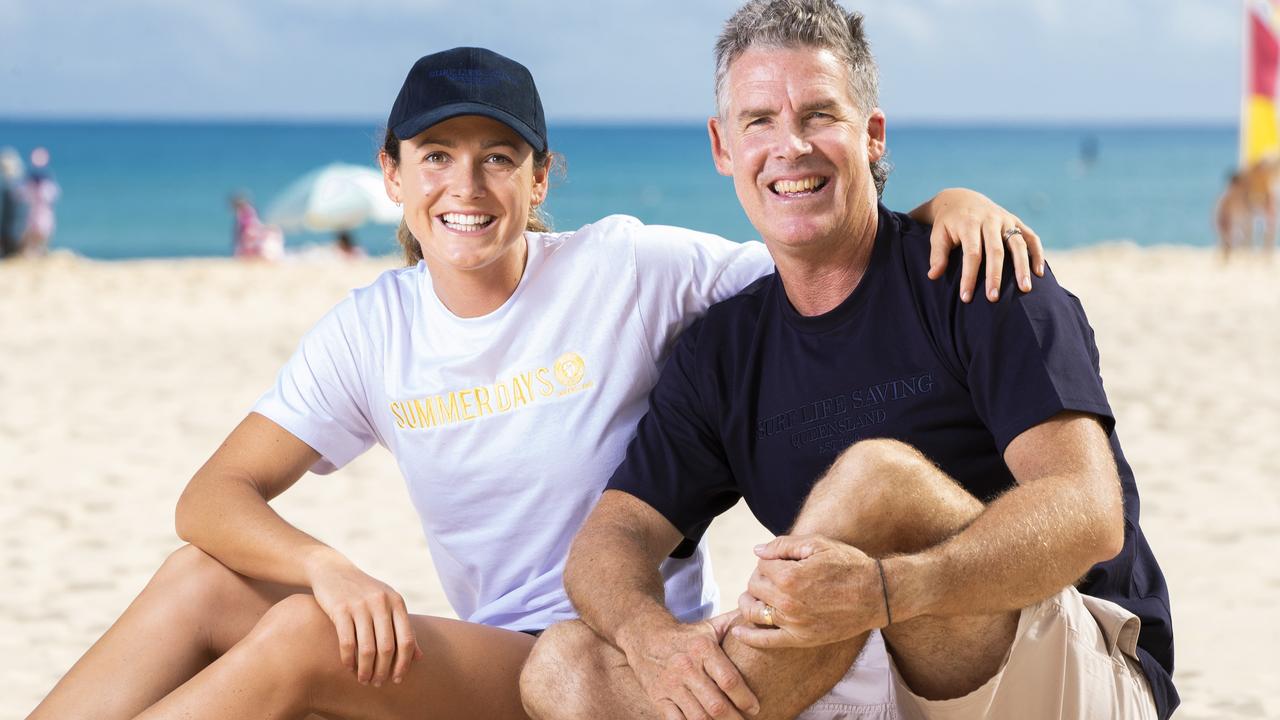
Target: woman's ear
x=542, y=181
x=390, y=176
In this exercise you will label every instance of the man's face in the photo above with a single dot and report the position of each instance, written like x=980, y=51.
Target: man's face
x=798, y=147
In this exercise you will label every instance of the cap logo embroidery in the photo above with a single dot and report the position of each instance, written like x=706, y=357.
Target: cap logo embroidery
x=472, y=76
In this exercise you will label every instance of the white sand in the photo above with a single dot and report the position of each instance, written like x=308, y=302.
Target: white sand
x=118, y=380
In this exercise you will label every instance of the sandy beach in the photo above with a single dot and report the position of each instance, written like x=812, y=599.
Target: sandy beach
x=117, y=380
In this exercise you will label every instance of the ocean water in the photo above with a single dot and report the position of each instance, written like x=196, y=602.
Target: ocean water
x=143, y=189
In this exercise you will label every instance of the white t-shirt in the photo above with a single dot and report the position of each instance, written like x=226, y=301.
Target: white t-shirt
x=506, y=427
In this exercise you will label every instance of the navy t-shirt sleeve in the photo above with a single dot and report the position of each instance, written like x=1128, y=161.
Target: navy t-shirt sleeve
x=1029, y=357
x=676, y=463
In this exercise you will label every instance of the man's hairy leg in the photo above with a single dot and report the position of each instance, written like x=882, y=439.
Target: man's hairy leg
x=885, y=498
x=788, y=680
x=573, y=673
x=882, y=497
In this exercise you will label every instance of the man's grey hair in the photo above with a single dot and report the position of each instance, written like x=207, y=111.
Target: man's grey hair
x=819, y=24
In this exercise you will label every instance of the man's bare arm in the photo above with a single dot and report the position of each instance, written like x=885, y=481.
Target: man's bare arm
x=612, y=577
x=1065, y=515
x=612, y=572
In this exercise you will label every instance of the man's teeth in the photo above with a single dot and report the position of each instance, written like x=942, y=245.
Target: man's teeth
x=466, y=221
x=795, y=186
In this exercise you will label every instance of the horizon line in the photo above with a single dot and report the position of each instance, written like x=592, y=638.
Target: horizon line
x=641, y=122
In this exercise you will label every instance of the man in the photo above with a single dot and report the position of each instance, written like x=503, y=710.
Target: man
x=944, y=473
x=1232, y=216
x=1249, y=195
x=10, y=177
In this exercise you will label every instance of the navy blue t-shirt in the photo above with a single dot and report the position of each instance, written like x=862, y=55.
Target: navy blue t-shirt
x=757, y=400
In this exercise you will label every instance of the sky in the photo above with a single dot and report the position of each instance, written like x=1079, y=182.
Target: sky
x=941, y=61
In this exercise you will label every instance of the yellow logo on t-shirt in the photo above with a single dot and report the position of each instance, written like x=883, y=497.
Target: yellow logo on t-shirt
x=570, y=369
x=503, y=396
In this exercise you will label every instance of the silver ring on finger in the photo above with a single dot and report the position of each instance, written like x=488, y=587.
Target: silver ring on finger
x=1011, y=232
x=767, y=615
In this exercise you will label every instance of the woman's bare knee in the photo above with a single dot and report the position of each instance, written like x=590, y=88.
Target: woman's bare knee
x=195, y=591
x=298, y=619
x=297, y=638
x=200, y=582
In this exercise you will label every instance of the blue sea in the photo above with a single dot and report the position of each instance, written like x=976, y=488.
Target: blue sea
x=150, y=189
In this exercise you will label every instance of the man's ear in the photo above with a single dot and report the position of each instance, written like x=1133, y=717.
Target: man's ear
x=876, y=135
x=719, y=147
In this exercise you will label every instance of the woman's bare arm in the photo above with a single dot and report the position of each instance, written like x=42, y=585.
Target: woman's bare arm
x=225, y=512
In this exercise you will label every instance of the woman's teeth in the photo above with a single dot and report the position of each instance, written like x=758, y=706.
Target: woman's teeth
x=461, y=221
x=795, y=187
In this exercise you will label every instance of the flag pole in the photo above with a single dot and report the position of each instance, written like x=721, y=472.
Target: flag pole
x=1242, y=128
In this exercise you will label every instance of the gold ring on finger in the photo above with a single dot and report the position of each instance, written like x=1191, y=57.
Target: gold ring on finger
x=767, y=615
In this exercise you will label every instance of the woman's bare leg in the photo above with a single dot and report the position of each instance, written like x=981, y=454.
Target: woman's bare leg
x=193, y=610
x=289, y=666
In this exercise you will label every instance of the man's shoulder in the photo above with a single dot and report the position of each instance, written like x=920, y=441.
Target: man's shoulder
x=911, y=243
x=742, y=309
x=913, y=254
x=728, y=326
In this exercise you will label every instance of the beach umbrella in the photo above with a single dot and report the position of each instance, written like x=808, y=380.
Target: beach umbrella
x=334, y=197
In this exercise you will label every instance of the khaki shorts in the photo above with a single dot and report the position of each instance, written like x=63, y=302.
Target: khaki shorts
x=1073, y=657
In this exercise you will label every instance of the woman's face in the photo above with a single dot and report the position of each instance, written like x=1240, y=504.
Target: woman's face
x=467, y=184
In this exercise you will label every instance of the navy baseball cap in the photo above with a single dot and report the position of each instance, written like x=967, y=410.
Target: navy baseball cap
x=469, y=81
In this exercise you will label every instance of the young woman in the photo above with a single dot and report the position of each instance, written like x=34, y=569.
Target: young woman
x=40, y=192
x=505, y=368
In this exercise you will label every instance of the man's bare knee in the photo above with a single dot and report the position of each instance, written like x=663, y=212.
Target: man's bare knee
x=884, y=496
x=872, y=463
x=562, y=671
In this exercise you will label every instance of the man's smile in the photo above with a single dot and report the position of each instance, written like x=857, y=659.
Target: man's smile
x=799, y=187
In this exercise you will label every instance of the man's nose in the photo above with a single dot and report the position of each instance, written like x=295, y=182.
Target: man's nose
x=792, y=142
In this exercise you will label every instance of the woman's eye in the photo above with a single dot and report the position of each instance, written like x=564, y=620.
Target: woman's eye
x=435, y=157
x=498, y=160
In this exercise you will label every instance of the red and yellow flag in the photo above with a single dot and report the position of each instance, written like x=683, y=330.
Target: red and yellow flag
x=1259, y=122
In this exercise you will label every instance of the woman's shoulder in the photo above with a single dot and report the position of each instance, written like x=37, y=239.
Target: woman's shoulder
x=629, y=234
x=611, y=230
x=393, y=294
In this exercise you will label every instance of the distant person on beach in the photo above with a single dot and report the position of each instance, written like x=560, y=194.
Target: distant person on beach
x=505, y=368
x=943, y=479
x=1249, y=200
x=1089, y=151
x=348, y=247
x=39, y=192
x=1233, y=217
x=251, y=239
x=10, y=201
